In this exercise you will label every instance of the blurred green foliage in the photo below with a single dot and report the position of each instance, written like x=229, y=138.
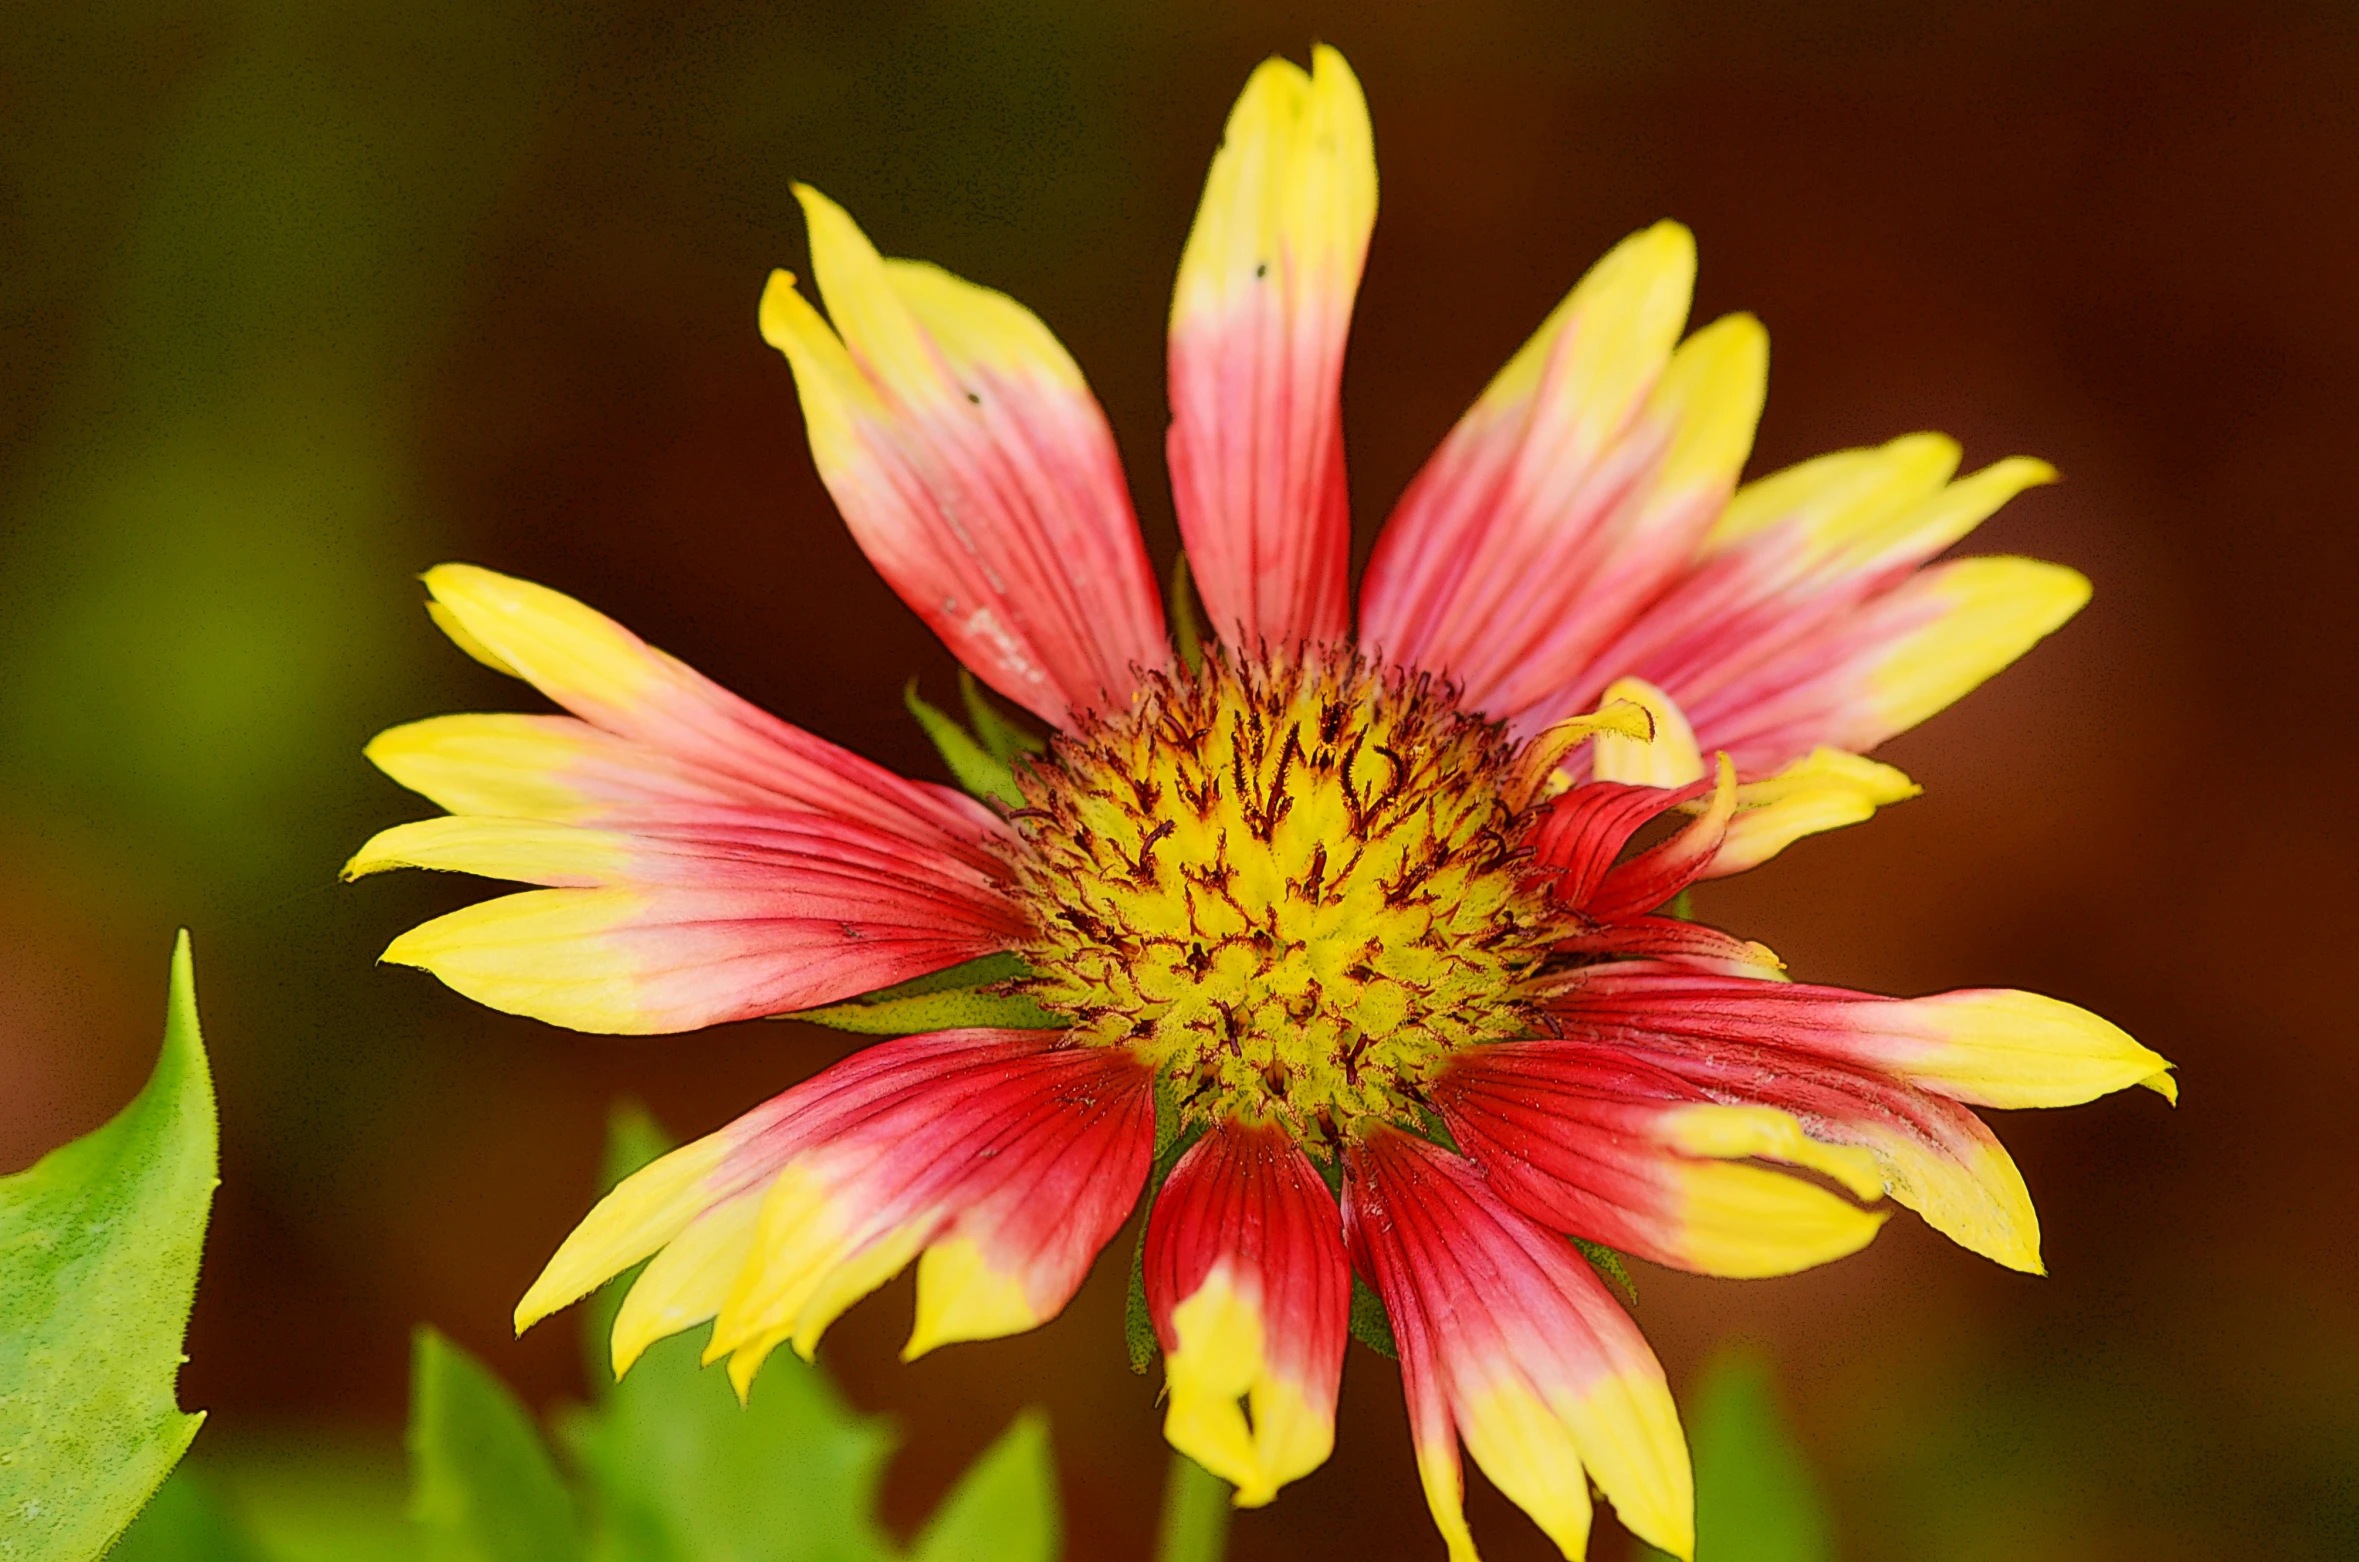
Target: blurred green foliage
x=99, y=1245
x=1756, y=1499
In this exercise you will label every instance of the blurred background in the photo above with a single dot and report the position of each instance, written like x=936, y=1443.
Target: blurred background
x=298, y=300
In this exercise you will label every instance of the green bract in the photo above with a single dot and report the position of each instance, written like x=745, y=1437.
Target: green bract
x=98, y=1263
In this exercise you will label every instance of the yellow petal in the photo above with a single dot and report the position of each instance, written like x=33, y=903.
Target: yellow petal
x=1219, y=1371
x=1824, y=790
x=569, y=651
x=526, y=851
x=1294, y=182
x=1977, y=1200
x=1988, y=612
x=450, y=624
x=1600, y=350
x=1831, y=499
x=1747, y=1222
x=543, y=953
x=646, y=1210
x=1669, y=759
x=686, y=1283
x=1528, y=1450
x=960, y=1296
x=512, y=766
x=1710, y=399
x=1741, y=1132
x=2017, y=1049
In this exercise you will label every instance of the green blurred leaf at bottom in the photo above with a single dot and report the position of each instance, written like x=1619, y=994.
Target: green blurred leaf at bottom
x=678, y=1471
x=1756, y=1500
x=1004, y=1509
x=185, y=1522
x=99, y=1245
x=482, y=1485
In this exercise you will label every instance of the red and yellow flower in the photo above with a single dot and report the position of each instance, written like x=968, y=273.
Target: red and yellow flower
x=1354, y=932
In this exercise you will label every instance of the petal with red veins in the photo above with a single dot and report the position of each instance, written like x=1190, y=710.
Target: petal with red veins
x=674, y=917
x=1986, y=1046
x=1880, y=669
x=974, y=469
x=1577, y=487
x=1509, y=1341
x=1259, y=316
x=1588, y=1141
x=1250, y=1294
x=657, y=729
x=1002, y=1161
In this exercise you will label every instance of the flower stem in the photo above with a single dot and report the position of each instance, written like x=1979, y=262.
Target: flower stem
x=1195, y=1514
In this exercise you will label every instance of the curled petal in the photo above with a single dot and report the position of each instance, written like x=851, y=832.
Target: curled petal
x=1664, y=869
x=1674, y=940
x=1005, y=1158
x=1824, y=790
x=1258, y=320
x=1510, y=1342
x=1588, y=1141
x=1250, y=1294
x=973, y=467
x=1585, y=829
x=1668, y=756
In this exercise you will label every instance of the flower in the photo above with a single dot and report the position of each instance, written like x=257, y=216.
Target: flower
x=1342, y=948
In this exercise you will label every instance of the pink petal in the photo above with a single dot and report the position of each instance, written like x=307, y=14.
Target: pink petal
x=1509, y=1340
x=974, y=468
x=1250, y=1294
x=1259, y=316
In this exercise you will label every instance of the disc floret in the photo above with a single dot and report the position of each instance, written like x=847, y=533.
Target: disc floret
x=1289, y=883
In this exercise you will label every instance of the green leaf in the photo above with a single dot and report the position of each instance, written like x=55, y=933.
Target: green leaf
x=1002, y=738
x=99, y=1244
x=1756, y=1500
x=1187, y=631
x=1004, y=1509
x=678, y=1471
x=482, y=1485
x=184, y=1522
x=971, y=764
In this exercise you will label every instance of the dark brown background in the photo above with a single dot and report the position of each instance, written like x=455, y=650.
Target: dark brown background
x=297, y=302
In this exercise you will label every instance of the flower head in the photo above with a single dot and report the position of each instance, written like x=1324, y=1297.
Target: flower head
x=1348, y=950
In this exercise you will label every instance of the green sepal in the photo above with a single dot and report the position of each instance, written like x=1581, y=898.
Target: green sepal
x=1370, y=1324
x=1681, y=905
x=1172, y=1139
x=974, y=766
x=985, y=971
x=932, y=1012
x=1187, y=632
x=1001, y=738
x=1609, y=1263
